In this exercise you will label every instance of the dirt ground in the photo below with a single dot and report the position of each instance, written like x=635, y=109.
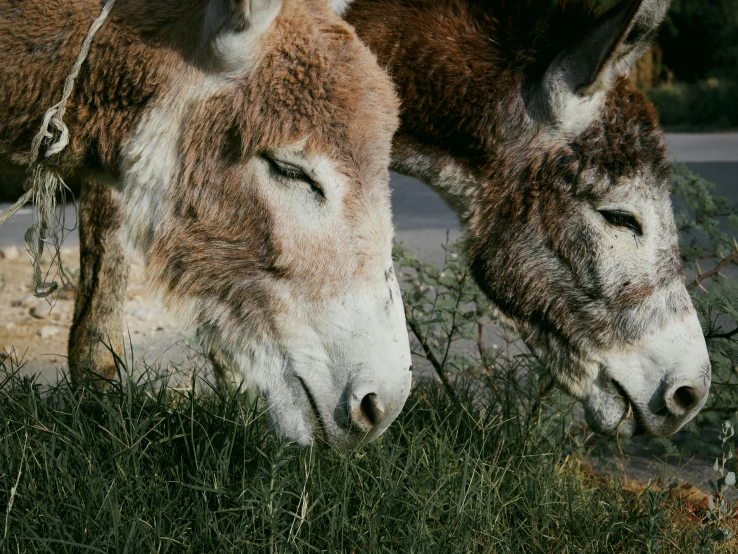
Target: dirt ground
x=37, y=330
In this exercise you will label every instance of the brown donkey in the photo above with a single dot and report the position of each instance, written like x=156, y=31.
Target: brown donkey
x=520, y=115
x=242, y=147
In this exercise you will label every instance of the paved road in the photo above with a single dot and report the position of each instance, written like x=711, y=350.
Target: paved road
x=703, y=147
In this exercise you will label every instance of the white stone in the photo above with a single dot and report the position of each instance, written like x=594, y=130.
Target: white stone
x=26, y=301
x=9, y=253
x=142, y=314
x=46, y=332
x=40, y=311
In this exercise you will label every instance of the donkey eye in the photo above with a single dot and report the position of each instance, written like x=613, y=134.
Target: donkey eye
x=294, y=172
x=622, y=219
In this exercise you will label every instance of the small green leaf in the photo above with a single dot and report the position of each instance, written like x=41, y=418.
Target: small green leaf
x=730, y=479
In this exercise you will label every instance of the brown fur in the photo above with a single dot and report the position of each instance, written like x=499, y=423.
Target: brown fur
x=111, y=93
x=465, y=71
x=218, y=240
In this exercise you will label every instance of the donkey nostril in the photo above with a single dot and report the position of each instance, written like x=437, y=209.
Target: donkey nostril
x=371, y=409
x=686, y=398
x=682, y=399
x=366, y=411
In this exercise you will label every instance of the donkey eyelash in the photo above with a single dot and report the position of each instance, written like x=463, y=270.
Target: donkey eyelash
x=622, y=219
x=295, y=173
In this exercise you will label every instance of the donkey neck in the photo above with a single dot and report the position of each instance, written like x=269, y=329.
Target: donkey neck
x=460, y=90
x=138, y=53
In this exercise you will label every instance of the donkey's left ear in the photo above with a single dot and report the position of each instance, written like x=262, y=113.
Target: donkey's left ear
x=339, y=6
x=233, y=28
x=570, y=90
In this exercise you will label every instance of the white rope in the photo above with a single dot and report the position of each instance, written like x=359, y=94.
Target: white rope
x=43, y=182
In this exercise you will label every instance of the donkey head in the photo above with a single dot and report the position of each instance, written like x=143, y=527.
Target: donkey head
x=258, y=190
x=581, y=250
x=521, y=117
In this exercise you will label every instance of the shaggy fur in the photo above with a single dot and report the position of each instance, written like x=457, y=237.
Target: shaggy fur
x=177, y=118
x=529, y=162
x=101, y=291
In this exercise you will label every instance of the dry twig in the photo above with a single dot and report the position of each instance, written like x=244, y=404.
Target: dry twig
x=701, y=277
x=431, y=357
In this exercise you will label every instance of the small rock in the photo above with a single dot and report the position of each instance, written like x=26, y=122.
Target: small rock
x=40, y=311
x=26, y=301
x=10, y=325
x=9, y=253
x=143, y=314
x=46, y=332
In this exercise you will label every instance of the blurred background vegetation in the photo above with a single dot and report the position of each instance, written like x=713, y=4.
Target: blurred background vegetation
x=691, y=73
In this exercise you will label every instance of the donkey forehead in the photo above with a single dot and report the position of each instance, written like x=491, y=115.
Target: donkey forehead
x=623, y=147
x=316, y=82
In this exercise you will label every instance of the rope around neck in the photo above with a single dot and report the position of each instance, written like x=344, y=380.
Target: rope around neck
x=43, y=181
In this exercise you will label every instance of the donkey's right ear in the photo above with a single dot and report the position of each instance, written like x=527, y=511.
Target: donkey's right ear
x=233, y=29
x=569, y=93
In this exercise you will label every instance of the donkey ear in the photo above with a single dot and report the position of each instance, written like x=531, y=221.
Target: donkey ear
x=233, y=29
x=578, y=77
x=339, y=6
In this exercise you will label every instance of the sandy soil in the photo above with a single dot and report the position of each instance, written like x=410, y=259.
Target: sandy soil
x=37, y=330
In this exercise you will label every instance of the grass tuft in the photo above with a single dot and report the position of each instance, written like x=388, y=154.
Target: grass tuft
x=153, y=469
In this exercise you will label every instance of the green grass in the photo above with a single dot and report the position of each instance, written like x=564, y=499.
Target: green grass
x=145, y=468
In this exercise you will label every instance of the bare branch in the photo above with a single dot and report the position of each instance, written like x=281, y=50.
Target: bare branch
x=431, y=357
x=728, y=335
x=702, y=276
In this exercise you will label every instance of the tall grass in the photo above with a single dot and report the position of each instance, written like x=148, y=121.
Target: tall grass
x=150, y=469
